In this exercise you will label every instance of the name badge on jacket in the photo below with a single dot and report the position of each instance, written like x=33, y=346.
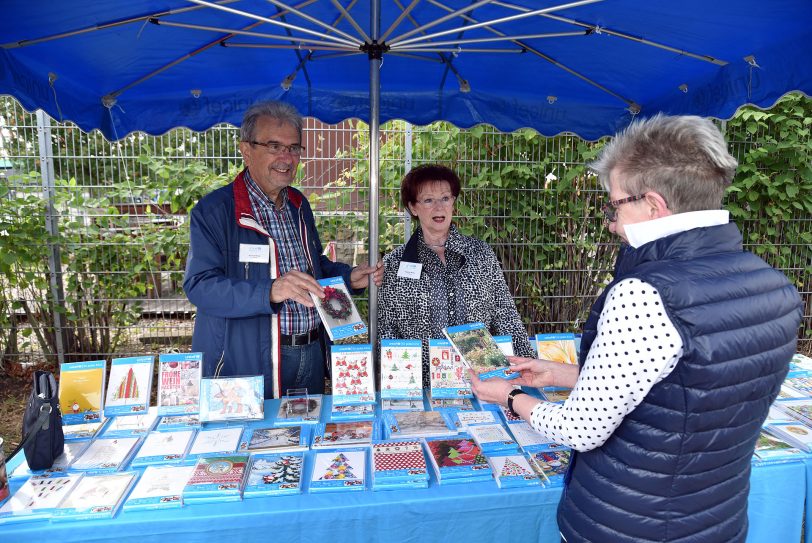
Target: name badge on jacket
x=255, y=253
x=410, y=270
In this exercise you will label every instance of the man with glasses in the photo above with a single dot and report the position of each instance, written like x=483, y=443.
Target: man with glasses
x=254, y=259
x=681, y=356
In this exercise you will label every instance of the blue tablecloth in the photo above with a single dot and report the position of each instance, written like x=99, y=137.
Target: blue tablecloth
x=475, y=512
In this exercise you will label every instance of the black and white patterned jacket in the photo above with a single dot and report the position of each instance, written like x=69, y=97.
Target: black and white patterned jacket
x=469, y=288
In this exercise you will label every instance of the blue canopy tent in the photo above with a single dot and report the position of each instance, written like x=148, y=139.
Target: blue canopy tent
x=587, y=66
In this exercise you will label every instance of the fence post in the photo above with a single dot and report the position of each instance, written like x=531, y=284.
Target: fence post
x=46, y=160
x=407, y=166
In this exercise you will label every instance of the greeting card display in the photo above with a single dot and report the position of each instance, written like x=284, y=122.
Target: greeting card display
x=215, y=441
x=129, y=386
x=273, y=474
x=555, y=395
x=463, y=419
x=402, y=405
x=339, y=471
x=81, y=391
x=457, y=460
x=552, y=465
x=337, y=310
x=287, y=439
x=354, y=412
x=455, y=404
x=95, y=497
x=163, y=448
x=398, y=464
x=530, y=440
x=159, y=487
x=232, y=398
x=37, y=498
x=493, y=439
x=216, y=478
x=417, y=424
x=479, y=351
x=179, y=383
x=342, y=434
x=800, y=410
x=401, y=368
x=353, y=375
x=505, y=344
x=106, y=454
x=509, y=417
x=557, y=348
x=772, y=449
x=83, y=432
x=795, y=433
x=131, y=425
x=299, y=409
x=62, y=463
x=447, y=372
x=513, y=471
x=178, y=422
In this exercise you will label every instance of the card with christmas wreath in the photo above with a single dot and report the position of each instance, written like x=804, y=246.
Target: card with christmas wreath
x=337, y=310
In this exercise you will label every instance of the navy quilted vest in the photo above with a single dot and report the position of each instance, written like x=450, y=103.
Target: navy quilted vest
x=678, y=466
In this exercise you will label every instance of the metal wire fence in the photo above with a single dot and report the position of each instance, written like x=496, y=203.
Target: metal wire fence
x=113, y=246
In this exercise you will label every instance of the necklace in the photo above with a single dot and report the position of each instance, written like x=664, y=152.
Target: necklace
x=438, y=246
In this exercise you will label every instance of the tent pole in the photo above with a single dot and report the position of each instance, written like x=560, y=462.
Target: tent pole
x=374, y=169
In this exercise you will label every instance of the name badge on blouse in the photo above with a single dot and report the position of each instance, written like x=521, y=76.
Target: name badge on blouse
x=410, y=270
x=255, y=253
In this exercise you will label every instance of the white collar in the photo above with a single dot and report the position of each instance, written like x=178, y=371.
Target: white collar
x=641, y=233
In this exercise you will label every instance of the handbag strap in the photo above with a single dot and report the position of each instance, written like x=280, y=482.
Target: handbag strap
x=41, y=422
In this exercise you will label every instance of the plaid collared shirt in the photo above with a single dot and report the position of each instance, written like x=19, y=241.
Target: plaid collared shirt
x=279, y=223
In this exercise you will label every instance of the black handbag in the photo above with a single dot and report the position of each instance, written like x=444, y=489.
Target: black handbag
x=43, y=440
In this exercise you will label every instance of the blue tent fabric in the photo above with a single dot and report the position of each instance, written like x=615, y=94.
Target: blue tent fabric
x=132, y=66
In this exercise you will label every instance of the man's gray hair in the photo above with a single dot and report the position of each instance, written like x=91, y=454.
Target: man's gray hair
x=682, y=158
x=280, y=111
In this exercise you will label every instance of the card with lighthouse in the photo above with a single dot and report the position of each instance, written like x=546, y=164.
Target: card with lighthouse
x=353, y=374
x=129, y=386
x=401, y=369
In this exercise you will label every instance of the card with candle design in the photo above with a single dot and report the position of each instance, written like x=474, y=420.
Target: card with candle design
x=353, y=375
x=129, y=386
x=401, y=369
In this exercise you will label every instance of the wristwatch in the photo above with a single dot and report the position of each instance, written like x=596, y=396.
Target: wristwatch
x=512, y=394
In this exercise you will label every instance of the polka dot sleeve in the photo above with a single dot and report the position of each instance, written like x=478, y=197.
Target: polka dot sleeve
x=636, y=347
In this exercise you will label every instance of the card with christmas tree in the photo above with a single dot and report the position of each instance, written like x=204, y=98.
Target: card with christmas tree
x=353, y=374
x=179, y=377
x=81, y=391
x=457, y=459
x=401, y=369
x=159, y=487
x=338, y=471
x=216, y=478
x=512, y=471
x=337, y=310
x=447, y=372
x=273, y=474
x=129, y=386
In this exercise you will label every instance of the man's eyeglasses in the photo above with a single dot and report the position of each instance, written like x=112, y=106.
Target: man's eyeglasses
x=276, y=148
x=443, y=202
x=610, y=208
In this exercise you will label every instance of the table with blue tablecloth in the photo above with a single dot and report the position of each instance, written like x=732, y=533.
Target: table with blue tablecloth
x=473, y=512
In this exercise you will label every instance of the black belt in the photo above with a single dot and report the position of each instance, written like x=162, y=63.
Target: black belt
x=297, y=340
